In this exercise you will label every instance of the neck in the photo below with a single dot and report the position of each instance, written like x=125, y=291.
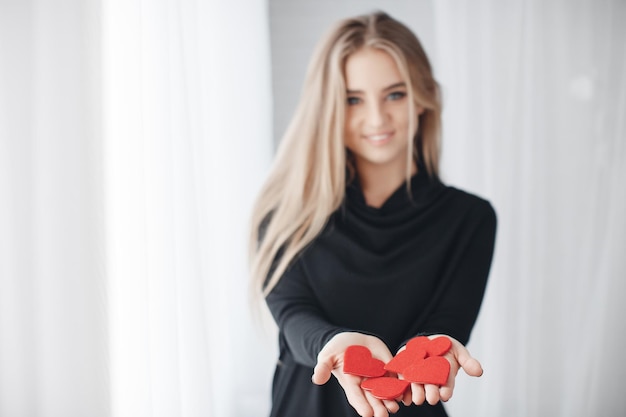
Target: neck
x=379, y=182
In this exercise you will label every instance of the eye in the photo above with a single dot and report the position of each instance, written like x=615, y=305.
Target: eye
x=353, y=100
x=396, y=95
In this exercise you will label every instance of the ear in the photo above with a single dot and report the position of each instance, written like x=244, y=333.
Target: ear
x=419, y=109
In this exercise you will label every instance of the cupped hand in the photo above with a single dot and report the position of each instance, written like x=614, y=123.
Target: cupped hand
x=330, y=362
x=459, y=357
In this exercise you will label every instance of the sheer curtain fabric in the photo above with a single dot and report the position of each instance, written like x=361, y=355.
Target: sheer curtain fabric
x=133, y=136
x=535, y=119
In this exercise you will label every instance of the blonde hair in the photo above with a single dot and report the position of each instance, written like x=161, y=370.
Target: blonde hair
x=307, y=181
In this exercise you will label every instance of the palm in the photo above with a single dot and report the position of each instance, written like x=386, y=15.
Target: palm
x=330, y=361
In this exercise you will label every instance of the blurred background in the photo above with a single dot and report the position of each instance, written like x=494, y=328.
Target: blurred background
x=134, y=135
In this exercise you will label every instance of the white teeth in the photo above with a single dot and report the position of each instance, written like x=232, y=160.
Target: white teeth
x=377, y=138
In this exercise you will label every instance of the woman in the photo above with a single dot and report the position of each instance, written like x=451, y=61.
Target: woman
x=355, y=240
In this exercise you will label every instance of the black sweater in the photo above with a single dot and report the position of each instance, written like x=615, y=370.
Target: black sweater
x=416, y=265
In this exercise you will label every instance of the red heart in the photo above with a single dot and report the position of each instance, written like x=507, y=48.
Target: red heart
x=404, y=359
x=358, y=360
x=385, y=388
x=433, y=370
x=433, y=347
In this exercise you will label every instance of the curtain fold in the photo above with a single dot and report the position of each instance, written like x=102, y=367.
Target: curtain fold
x=53, y=324
x=534, y=116
x=188, y=138
x=133, y=136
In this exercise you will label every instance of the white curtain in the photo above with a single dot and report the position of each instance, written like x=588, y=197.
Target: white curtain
x=134, y=134
x=53, y=315
x=133, y=138
x=535, y=119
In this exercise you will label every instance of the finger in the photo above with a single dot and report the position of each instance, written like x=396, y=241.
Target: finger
x=407, y=397
x=377, y=405
x=358, y=401
x=470, y=365
x=445, y=392
x=418, y=394
x=321, y=373
x=432, y=393
x=391, y=406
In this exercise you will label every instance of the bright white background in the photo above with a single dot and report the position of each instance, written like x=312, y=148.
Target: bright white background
x=134, y=135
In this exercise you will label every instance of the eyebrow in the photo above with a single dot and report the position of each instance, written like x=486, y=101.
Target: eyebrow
x=391, y=87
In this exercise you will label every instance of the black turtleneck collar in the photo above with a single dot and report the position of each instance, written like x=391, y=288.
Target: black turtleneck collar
x=422, y=189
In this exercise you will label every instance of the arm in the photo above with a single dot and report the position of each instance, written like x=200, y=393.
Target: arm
x=455, y=313
x=315, y=342
x=299, y=317
x=465, y=277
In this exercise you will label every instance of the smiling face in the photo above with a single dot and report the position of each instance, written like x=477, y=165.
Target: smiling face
x=377, y=112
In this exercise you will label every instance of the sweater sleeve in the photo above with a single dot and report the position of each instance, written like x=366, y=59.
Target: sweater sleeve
x=464, y=278
x=299, y=317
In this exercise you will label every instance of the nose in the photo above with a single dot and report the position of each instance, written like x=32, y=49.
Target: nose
x=375, y=114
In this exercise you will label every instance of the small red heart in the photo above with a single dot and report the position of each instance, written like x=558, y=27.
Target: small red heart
x=358, y=360
x=433, y=347
x=385, y=388
x=433, y=370
x=404, y=359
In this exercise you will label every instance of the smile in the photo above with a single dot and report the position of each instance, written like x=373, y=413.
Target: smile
x=379, y=138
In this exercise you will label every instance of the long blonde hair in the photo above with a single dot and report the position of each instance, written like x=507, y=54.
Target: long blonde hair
x=307, y=181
